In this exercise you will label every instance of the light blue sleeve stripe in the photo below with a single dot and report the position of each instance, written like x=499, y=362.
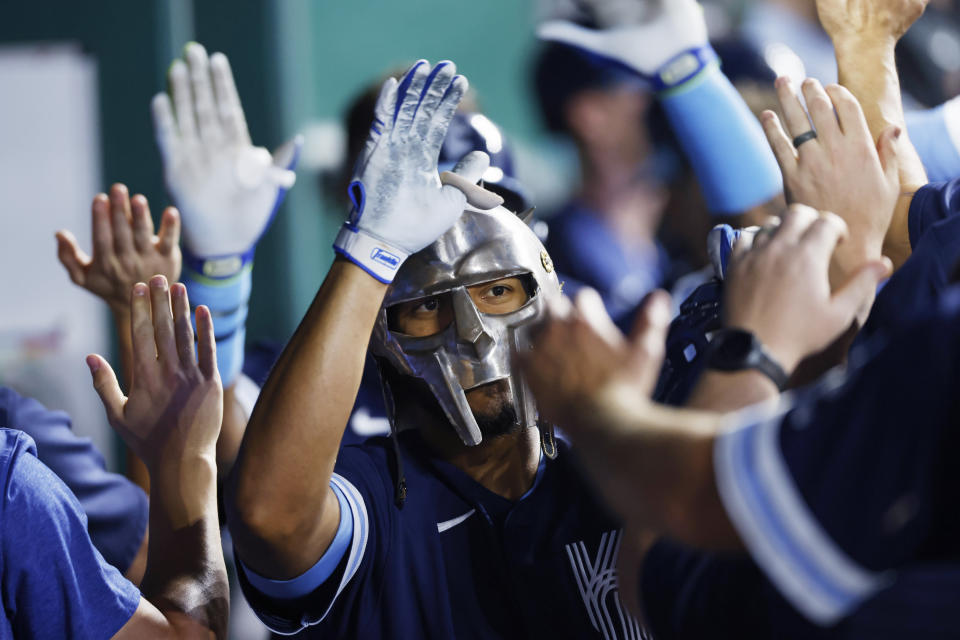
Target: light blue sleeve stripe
x=779, y=530
x=361, y=526
x=319, y=573
x=935, y=133
x=724, y=142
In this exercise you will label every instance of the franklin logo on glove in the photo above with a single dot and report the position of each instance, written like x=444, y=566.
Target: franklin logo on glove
x=385, y=258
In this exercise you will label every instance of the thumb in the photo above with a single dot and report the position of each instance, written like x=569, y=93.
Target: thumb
x=465, y=176
x=105, y=383
x=859, y=290
x=570, y=33
x=887, y=150
x=71, y=257
x=287, y=155
x=591, y=308
x=284, y=161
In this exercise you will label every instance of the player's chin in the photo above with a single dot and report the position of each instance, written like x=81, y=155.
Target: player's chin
x=493, y=408
x=490, y=398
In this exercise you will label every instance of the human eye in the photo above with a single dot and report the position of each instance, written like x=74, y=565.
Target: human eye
x=498, y=290
x=428, y=306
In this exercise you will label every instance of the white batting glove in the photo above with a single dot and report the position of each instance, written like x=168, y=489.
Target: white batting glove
x=665, y=42
x=399, y=203
x=227, y=190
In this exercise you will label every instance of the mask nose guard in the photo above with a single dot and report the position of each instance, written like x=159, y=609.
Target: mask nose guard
x=470, y=329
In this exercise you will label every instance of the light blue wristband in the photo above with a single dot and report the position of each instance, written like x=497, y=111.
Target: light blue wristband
x=724, y=142
x=228, y=300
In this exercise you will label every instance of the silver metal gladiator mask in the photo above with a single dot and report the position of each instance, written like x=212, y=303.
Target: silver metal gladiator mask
x=474, y=348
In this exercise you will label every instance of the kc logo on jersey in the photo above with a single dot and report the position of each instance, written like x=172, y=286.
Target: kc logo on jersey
x=596, y=577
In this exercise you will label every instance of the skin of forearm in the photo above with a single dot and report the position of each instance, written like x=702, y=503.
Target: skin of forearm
x=231, y=433
x=186, y=578
x=136, y=470
x=282, y=512
x=725, y=391
x=657, y=468
x=867, y=67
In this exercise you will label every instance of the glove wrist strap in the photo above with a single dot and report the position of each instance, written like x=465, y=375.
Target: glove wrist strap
x=378, y=258
x=683, y=67
x=218, y=267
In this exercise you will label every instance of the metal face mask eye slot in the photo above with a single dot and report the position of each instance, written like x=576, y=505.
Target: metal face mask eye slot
x=402, y=317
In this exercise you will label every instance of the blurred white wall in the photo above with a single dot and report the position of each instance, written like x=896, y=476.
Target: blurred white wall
x=49, y=172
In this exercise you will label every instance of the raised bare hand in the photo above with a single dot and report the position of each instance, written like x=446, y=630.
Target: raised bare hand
x=840, y=170
x=126, y=250
x=175, y=405
x=579, y=353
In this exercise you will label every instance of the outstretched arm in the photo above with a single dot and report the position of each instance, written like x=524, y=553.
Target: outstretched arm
x=228, y=191
x=864, y=34
x=171, y=420
x=125, y=251
x=668, y=47
x=654, y=464
x=283, y=513
x=841, y=171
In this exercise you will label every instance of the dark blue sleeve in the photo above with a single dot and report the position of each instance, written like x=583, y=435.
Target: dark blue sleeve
x=856, y=479
x=920, y=603
x=935, y=241
x=55, y=583
x=931, y=204
x=116, y=509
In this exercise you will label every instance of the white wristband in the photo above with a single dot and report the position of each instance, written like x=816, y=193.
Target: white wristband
x=378, y=258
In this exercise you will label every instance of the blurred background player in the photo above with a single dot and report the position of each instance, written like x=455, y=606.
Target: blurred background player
x=598, y=86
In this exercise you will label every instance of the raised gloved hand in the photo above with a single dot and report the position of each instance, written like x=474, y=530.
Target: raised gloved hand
x=665, y=41
x=227, y=190
x=400, y=203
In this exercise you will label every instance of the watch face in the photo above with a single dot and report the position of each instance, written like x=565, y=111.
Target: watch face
x=735, y=347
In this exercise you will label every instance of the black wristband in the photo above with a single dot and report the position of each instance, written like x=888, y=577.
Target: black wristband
x=736, y=350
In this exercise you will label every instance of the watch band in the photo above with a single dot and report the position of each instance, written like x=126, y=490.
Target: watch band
x=736, y=350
